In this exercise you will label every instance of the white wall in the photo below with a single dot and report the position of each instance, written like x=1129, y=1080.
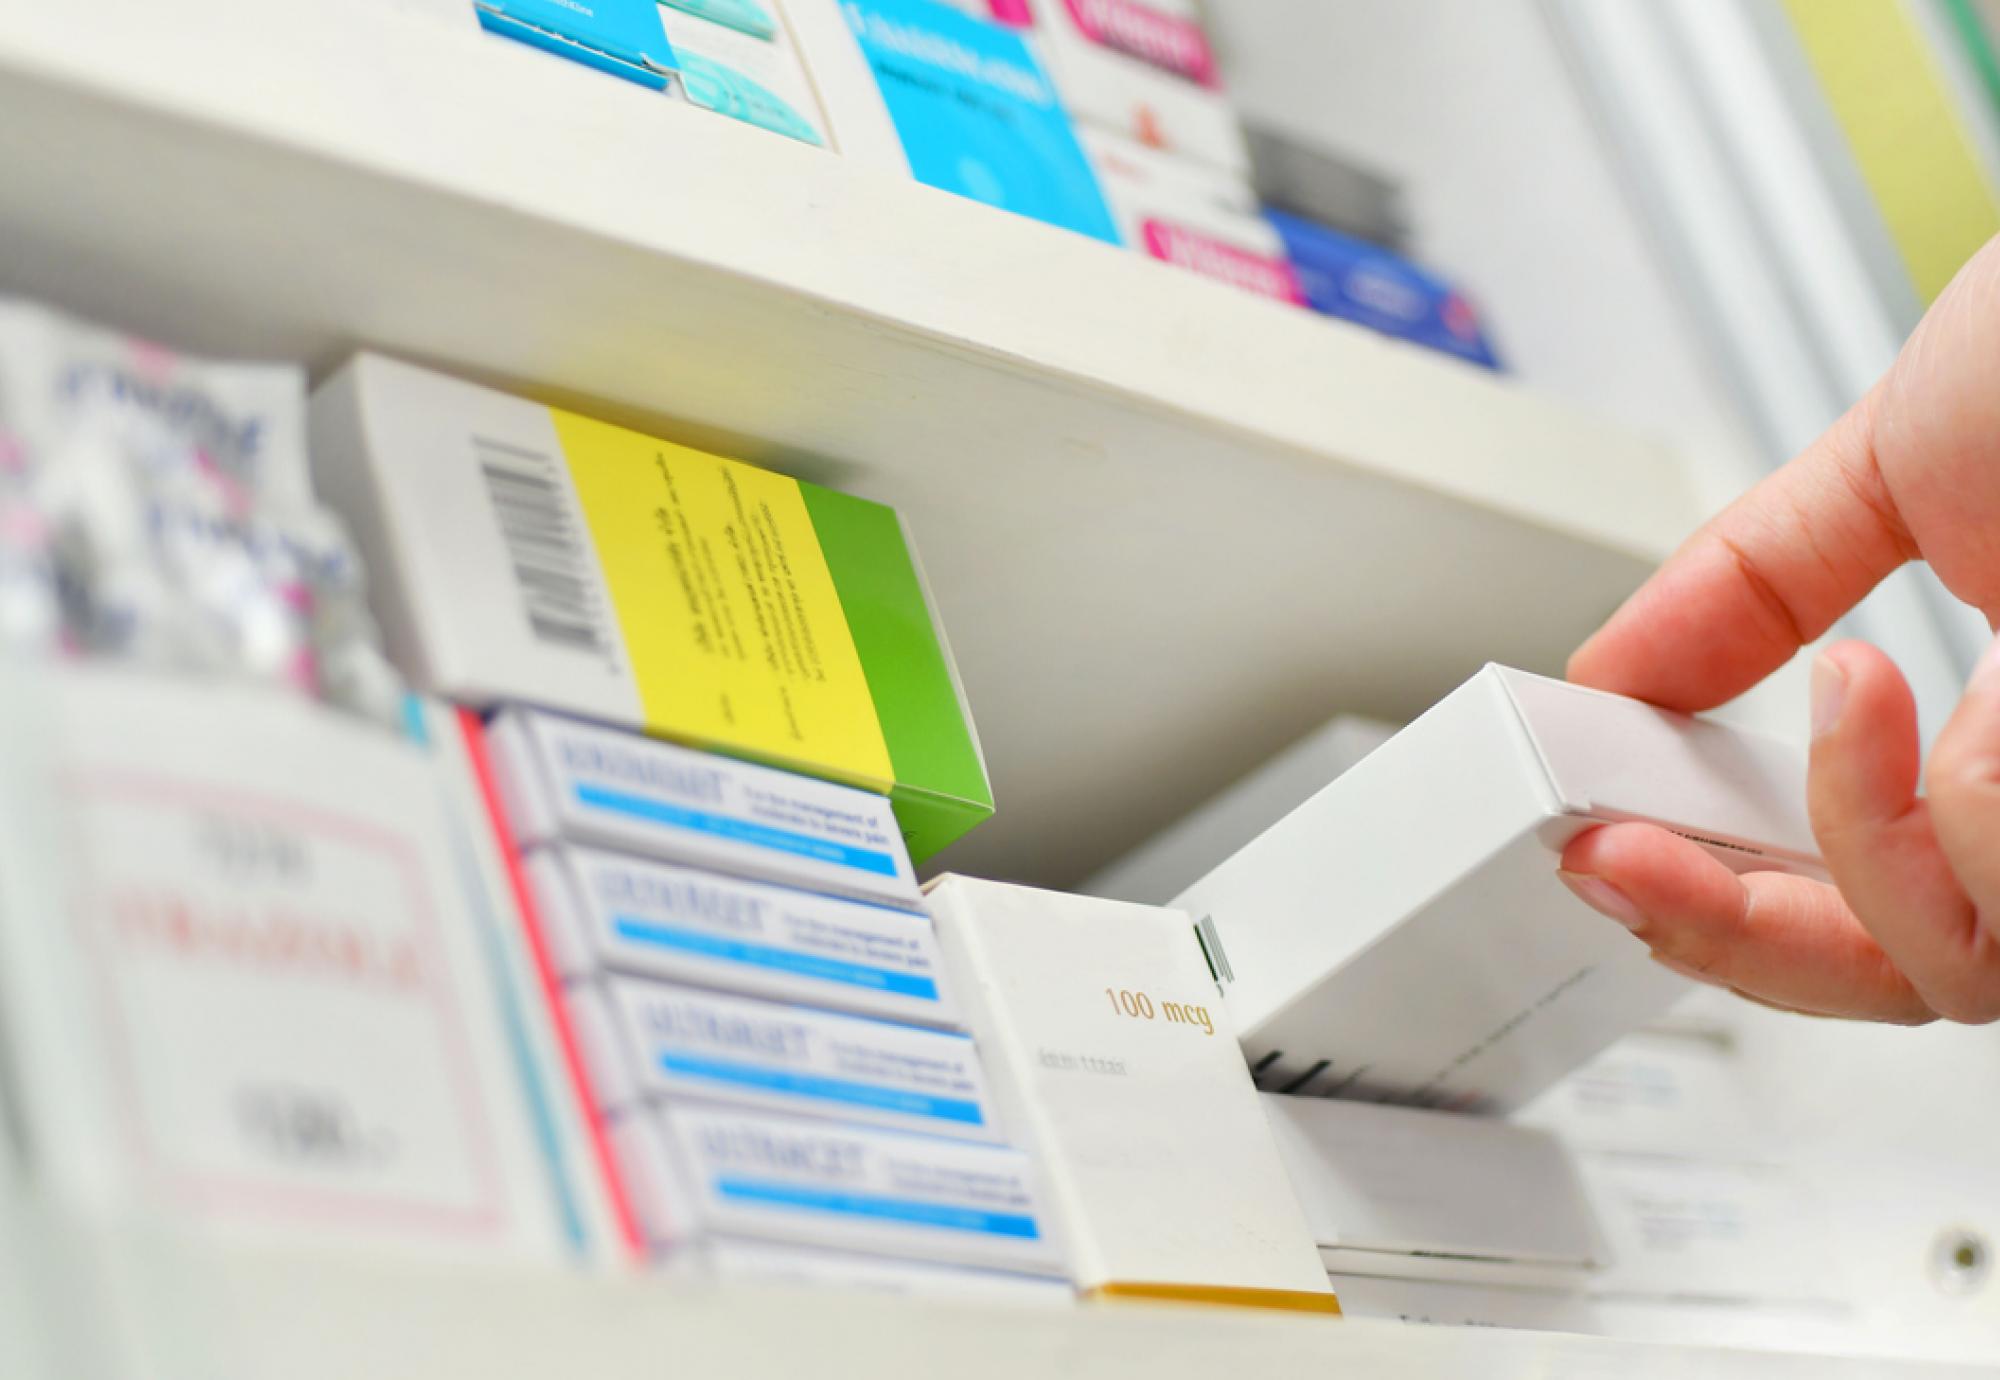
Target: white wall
x=1510, y=190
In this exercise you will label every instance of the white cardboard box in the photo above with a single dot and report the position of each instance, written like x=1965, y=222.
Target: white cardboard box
x=1429, y=1195
x=610, y=911
x=1403, y=934
x=1143, y=69
x=1181, y=854
x=252, y=978
x=1112, y=1061
x=1190, y=215
x=856, y=117
x=561, y=779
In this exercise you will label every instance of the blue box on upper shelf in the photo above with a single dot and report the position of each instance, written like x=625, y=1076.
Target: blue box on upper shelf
x=1362, y=282
x=622, y=37
x=962, y=104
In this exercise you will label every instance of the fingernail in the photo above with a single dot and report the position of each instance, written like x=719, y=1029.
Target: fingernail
x=1674, y=965
x=1986, y=675
x=1829, y=692
x=1603, y=898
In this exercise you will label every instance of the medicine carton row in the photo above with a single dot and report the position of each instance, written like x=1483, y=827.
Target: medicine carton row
x=611, y=944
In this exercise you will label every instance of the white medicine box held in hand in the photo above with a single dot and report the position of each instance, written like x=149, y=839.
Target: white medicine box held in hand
x=1403, y=934
x=1115, y=1066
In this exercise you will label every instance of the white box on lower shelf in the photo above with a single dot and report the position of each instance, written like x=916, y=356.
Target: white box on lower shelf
x=1114, y=1065
x=1435, y=1195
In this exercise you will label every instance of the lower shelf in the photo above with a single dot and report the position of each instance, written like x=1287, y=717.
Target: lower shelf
x=79, y=1301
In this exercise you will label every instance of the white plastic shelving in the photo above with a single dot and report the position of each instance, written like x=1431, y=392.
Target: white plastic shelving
x=136, y=1299
x=1171, y=527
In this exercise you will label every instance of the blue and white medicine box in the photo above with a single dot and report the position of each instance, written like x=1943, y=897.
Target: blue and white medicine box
x=622, y=37
x=961, y=103
x=562, y=780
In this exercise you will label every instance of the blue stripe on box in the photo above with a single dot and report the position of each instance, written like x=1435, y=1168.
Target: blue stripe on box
x=781, y=960
x=824, y=1089
x=736, y=830
x=905, y=1210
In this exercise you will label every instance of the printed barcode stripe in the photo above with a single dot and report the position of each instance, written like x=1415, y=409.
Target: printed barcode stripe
x=550, y=555
x=1211, y=943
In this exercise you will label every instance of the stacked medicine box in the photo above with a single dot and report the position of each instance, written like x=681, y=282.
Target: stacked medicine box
x=763, y=1039
x=1141, y=81
x=757, y=1005
x=741, y=979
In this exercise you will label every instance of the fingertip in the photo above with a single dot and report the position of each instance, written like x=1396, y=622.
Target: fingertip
x=1671, y=883
x=1866, y=756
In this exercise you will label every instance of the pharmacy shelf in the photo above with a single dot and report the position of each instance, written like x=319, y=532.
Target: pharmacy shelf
x=1171, y=527
x=141, y=1302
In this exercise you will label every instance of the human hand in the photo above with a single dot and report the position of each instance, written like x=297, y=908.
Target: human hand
x=1911, y=929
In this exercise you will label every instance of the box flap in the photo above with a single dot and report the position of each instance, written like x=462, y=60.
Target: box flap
x=1612, y=758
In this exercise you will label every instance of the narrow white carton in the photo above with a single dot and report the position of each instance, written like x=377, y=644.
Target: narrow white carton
x=1190, y=215
x=561, y=779
x=688, y=1043
x=1403, y=934
x=1112, y=1059
x=1143, y=68
x=611, y=911
x=1429, y=1195
x=817, y=1183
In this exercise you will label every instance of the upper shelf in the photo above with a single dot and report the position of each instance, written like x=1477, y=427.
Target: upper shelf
x=1170, y=526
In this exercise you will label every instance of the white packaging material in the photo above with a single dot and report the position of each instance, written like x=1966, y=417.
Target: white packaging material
x=686, y=1043
x=1191, y=215
x=1112, y=1059
x=1143, y=69
x=612, y=911
x=1403, y=934
x=1181, y=854
x=561, y=779
x=759, y=1262
x=753, y=79
x=155, y=509
x=1429, y=1195
x=1680, y=1228
x=820, y=1184
x=247, y=978
x=1659, y=1093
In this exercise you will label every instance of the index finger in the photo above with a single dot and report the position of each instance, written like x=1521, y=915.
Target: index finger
x=1761, y=579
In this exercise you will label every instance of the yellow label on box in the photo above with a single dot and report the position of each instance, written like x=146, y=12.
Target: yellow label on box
x=730, y=616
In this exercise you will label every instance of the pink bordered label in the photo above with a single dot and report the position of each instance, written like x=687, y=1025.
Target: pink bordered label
x=1170, y=42
x=1213, y=258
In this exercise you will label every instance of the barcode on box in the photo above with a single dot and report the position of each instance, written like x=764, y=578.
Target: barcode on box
x=546, y=545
